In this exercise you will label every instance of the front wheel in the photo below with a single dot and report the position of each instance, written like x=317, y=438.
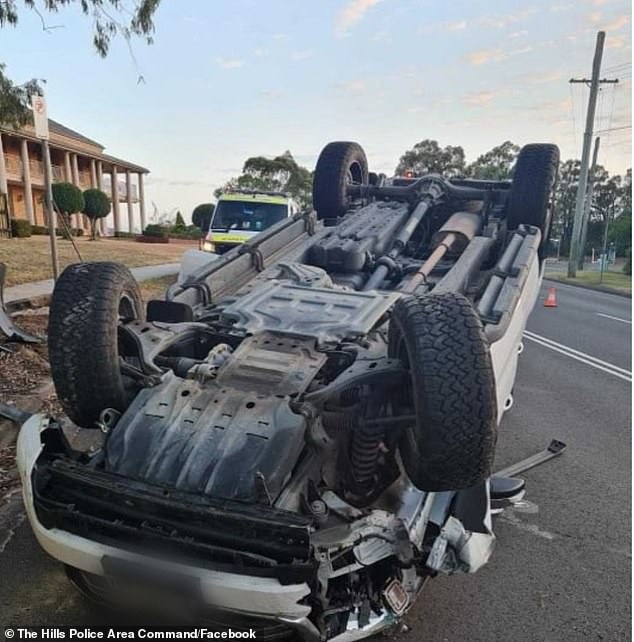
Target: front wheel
x=440, y=338
x=84, y=347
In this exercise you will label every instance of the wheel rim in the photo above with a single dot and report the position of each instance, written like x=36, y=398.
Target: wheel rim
x=127, y=308
x=354, y=175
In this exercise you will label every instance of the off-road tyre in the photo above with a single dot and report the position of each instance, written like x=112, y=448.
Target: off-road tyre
x=338, y=165
x=441, y=339
x=534, y=177
x=88, y=301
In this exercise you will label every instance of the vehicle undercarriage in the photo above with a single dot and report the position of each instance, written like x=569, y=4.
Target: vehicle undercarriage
x=302, y=433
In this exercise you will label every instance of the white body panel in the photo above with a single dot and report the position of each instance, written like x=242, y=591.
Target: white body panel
x=506, y=350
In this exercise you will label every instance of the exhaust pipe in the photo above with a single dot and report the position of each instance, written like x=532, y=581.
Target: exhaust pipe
x=454, y=236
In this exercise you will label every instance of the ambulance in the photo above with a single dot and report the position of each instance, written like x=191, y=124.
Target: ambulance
x=241, y=214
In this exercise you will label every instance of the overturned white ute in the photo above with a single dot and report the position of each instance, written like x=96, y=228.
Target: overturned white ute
x=301, y=434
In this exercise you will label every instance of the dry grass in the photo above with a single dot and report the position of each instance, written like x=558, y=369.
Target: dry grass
x=29, y=259
x=155, y=288
x=613, y=280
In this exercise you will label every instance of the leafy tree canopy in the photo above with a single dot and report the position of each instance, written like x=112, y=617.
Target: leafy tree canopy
x=428, y=157
x=15, y=99
x=201, y=216
x=110, y=18
x=279, y=174
x=497, y=164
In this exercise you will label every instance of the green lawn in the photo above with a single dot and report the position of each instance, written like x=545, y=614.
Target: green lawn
x=614, y=280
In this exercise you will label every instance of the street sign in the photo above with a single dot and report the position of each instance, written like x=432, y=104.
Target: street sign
x=40, y=119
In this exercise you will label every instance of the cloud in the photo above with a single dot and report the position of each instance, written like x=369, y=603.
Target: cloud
x=556, y=8
x=279, y=36
x=486, y=56
x=458, y=25
x=479, y=98
x=594, y=17
x=542, y=79
x=523, y=50
x=260, y=52
x=229, y=63
x=356, y=87
x=500, y=22
x=351, y=14
x=381, y=36
x=518, y=34
x=618, y=23
x=618, y=42
x=301, y=55
x=271, y=93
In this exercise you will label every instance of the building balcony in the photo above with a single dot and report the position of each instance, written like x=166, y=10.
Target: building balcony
x=121, y=189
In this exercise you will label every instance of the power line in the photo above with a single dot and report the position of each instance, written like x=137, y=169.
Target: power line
x=612, y=129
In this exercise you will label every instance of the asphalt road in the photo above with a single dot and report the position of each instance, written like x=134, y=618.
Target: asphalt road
x=562, y=567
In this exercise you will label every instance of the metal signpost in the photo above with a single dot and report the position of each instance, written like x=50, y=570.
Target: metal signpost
x=40, y=120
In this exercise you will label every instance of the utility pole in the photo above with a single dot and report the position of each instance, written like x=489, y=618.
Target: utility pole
x=588, y=203
x=594, y=83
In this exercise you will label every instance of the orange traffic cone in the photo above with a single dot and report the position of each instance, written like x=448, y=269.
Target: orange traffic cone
x=551, y=299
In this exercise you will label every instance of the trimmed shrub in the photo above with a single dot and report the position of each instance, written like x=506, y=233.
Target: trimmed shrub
x=68, y=198
x=96, y=206
x=20, y=228
x=201, y=216
x=125, y=235
x=155, y=230
x=39, y=230
x=627, y=268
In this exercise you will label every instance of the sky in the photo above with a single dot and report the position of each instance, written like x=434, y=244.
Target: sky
x=229, y=79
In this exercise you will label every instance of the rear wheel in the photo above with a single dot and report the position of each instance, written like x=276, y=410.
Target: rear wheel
x=89, y=301
x=340, y=164
x=533, y=181
x=441, y=340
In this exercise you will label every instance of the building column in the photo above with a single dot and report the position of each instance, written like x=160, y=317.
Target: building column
x=141, y=200
x=4, y=188
x=115, y=198
x=93, y=174
x=102, y=221
x=26, y=174
x=79, y=219
x=128, y=193
x=68, y=174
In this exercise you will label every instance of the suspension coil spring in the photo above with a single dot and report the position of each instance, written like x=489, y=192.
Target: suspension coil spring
x=364, y=453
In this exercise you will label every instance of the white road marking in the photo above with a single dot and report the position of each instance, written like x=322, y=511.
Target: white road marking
x=588, y=359
x=609, y=316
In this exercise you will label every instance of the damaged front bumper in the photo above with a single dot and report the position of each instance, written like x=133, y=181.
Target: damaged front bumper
x=257, y=562
x=259, y=596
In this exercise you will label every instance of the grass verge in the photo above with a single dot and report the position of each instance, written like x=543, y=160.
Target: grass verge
x=611, y=280
x=30, y=260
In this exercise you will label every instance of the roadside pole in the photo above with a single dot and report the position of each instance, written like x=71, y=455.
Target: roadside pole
x=40, y=120
x=588, y=203
x=604, y=251
x=585, y=154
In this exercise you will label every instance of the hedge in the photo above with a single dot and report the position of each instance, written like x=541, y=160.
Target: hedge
x=41, y=230
x=20, y=228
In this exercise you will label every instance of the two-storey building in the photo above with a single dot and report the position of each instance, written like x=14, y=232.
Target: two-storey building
x=75, y=159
